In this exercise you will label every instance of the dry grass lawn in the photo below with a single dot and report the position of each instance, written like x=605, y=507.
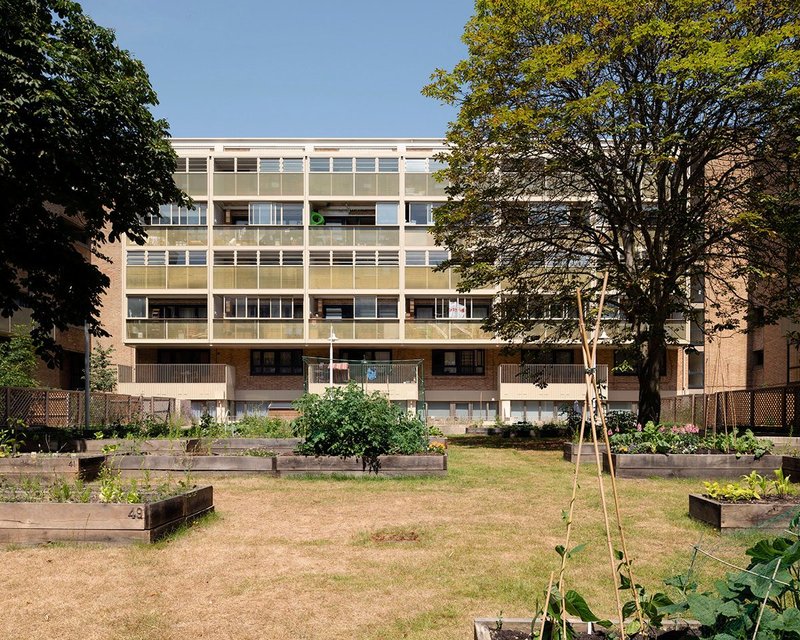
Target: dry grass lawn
x=349, y=558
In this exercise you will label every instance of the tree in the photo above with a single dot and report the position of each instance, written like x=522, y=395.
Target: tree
x=82, y=160
x=103, y=376
x=627, y=136
x=18, y=359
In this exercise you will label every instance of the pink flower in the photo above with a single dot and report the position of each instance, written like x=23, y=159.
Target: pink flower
x=610, y=432
x=638, y=426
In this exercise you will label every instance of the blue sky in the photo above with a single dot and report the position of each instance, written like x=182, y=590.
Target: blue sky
x=316, y=68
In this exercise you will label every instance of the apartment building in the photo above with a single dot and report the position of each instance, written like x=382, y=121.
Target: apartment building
x=295, y=240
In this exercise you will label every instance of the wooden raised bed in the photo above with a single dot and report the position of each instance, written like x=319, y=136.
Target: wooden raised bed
x=132, y=465
x=587, y=452
x=85, y=467
x=736, y=516
x=233, y=446
x=38, y=522
x=791, y=467
x=130, y=445
x=421, y=465
x=484, y=626
x=690, y=465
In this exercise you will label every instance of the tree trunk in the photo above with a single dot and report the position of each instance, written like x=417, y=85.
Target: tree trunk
x=650, y=376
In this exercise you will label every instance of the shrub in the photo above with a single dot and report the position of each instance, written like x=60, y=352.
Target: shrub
x=347, y=422
x=685, y=439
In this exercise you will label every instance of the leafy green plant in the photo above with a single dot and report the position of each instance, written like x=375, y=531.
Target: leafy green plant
x=259, y=452
x=753, y=486
x=347, y=422
x=731, y=492
x=18, y=359
x=766, y=592
x=103, y=374
x=112, y=489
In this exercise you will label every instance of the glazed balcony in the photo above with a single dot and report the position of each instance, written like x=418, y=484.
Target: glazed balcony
x=355, y=329
x=256, y=236
x=177, y=329
x=166, y=277
x=439, y=330
x=253, y=329
x=343, y=236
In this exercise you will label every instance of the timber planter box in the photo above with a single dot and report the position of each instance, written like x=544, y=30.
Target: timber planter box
x=736, y=516
x=421, y=465
x=69, y=466
x=132, y=465
x=236, y=446
x=131, y=445
x=791, y=467
x=710, y=466
x=38, y=522
x=587, y=452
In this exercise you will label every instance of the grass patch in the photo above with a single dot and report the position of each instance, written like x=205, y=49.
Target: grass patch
x=335, y=558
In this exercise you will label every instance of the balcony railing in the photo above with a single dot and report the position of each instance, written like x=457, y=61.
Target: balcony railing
x=355, y=329
x=543, y=374
x=258, y=277
x=258, y=184
x=248, y=329
x=195, y=184
x=171, y=277
x=321, y=277
x=174, y=373
x=445, y=330
x=367, y=373
x=177, y=236
x=167, y=329
x=258, y=236
x=427, y=278
x=354, y=184
x=354, y=236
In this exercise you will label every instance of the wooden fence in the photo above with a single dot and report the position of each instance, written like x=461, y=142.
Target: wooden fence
x=769, y=411
x=59, y=408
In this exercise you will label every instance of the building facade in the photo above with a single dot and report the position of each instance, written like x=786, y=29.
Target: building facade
x=295, y=239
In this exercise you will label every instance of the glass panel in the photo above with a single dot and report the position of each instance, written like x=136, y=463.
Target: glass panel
x=137, y=308
x=365, y=307
x=319, y=184
x=293, y=165
x=319, y=164
x=386, y=212
x=416, y=165
x=416, y=184
x=246, y=184
x=366, y=184
x=270, y=165
x=388, y=165
x=343, y=165
x=365, y=165
x=342, y=184
x=419, y=213
x=388, y=184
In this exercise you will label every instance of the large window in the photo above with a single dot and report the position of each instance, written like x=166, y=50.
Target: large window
x=275, y=213
x=172, y=214
x=458, y=362
x=257, y=307
x=286, y=362
x=420, y=212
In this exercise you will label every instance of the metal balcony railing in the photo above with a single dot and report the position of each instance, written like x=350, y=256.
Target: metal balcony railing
x=548, y=374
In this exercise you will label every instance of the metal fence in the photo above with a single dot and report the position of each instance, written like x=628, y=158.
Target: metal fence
x=769, y=411
x=544, y=374
x=59, y=408
x=173, y=373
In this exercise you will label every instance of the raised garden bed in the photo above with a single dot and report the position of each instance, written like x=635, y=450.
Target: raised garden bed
x=421, y=465
x=690, y=465
x=587, y=452
x=39, y=465
x=130, y=445
x=39, y=522
x=238, y=446
x=484, y=628
x=736, y=516
x=791, y=467
x=159, y=464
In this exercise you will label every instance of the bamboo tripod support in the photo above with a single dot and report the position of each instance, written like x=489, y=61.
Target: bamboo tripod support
x=592, y=396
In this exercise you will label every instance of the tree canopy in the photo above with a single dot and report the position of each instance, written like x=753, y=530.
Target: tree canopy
x=630, y=136
x=82, y=160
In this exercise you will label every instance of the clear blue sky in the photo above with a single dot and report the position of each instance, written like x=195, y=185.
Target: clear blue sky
x=316, y=68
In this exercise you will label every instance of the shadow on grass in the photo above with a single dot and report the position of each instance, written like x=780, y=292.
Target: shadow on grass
x=500, y=442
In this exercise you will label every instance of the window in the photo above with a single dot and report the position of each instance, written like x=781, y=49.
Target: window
x=275, y=213
x=420, y=212
x=388, y=165
x=172, y=214
x=461, y=308
x=135, y=258
x=176, y=258
x=265, y=308
x=197, y=258
x=365, y=165
x=624, y=366
x=286, y=362
x=374, y=307
x=758, y=358
x=192, y=165
x=386, y=213
x=416, y=165
x=280, y=165
x=696, y=367
x=357, y=258
x=137, y=307
x=459, y=362
x=317, y=165
x=342, y=165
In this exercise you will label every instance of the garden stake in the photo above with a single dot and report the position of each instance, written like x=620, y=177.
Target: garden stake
x=589, y=375
x=590, y=358
x=546, y=608
x=764, y=602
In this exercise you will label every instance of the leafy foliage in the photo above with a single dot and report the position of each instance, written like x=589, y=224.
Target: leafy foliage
x=346, y=422
x=18, y=360
x=686, y=439
x=627, y=136
x=753, y=486
x=103, y=375
x=82, y=159
x=262, y=427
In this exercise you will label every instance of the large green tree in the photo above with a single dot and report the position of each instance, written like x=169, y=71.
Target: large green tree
x=623, y=135
x=82, y=159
